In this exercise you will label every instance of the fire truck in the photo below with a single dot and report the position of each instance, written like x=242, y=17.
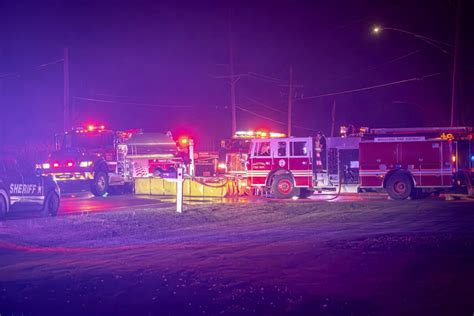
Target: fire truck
x=107, y=161
x=404, y=162
x=234, y=152
x=270, y=162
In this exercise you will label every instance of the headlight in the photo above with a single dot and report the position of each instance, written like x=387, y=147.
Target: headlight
x=46, y=165
x=85, y=164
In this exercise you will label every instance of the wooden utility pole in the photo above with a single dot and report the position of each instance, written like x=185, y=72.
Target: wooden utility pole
x=290, y=100
x=333, y=118
x=456, y=66
x=66, y=118
x=233, y=80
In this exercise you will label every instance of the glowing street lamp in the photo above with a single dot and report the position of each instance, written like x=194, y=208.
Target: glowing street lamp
x=376, y=29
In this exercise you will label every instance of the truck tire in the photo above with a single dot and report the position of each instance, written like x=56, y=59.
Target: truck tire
x=3, y=208
x=399, y=186
x=51, y=205
x=283, y=186
x=100, y=184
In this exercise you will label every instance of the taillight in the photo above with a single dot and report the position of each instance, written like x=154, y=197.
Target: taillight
x=55, y=164
x=70, y=164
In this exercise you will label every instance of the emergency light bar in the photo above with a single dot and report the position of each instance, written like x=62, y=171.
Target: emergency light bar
x=258, y=134
x=90, y=128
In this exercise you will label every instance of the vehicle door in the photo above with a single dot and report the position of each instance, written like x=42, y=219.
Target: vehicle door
x=280, y=154
x=33, y=184
x=13, y=180
x=300, y=161
x=260, y=162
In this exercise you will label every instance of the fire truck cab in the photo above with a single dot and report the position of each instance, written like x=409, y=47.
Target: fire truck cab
x=87, y=155
x=284, y=166
x=108, y=161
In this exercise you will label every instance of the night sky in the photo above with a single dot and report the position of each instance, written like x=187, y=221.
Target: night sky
x=155, y=65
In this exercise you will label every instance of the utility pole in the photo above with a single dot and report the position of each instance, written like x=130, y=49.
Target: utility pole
x=290, y=100
x=233, y=80
x=456, y=66
x=333, y=118
x=66, y=109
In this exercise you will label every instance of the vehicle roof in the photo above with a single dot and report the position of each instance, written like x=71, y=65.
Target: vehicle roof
x=151, y=139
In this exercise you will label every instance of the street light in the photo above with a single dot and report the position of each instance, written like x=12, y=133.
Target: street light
x=377, y=29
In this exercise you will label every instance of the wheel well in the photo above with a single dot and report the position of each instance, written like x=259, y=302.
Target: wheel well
x=277, y=172
x=398, y=171
x=101, y=165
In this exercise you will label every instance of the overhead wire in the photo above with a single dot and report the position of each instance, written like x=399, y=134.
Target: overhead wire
x=272, y=120
x=35, y=68
x=371, y=87
x=265, y=105
x=140, y=104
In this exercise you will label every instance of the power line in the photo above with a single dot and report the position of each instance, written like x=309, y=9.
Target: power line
x=382, y=64
x=371, y=87
x=36, y=68
x=266, y=78
x=265, y=105
x=141, y=104
x=272, y=120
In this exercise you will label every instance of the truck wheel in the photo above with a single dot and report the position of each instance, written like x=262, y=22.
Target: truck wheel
x=399, y=186
x=3, y=208
x=305, y=193
x=51, y=205
x=283, y=186
x=100, y=184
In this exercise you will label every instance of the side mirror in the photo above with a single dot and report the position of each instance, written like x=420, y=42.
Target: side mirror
x=38, y=172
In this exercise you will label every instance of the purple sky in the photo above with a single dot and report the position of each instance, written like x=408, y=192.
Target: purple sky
x=169, y=53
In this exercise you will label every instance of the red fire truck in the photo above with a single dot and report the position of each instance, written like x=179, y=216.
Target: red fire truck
x=404, y=162
x=271, y=162
x=106, y=160
x=234, y=152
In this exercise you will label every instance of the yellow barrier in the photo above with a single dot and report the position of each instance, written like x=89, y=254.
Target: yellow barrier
x=157, y=186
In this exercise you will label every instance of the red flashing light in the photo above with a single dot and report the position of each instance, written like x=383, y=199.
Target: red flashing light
x=55, y=164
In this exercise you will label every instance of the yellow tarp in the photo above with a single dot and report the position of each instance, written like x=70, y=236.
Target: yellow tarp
x=157, y=186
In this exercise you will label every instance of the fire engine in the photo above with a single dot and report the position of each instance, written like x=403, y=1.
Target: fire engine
x=234, y=152
x=271, y=162
x=404, y=162
x=106, y=160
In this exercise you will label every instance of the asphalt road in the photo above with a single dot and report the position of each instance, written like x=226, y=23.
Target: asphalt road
x=75, y=203
x=84, y=202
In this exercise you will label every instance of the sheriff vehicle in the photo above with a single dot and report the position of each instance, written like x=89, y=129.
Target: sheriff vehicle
x=20, y=185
